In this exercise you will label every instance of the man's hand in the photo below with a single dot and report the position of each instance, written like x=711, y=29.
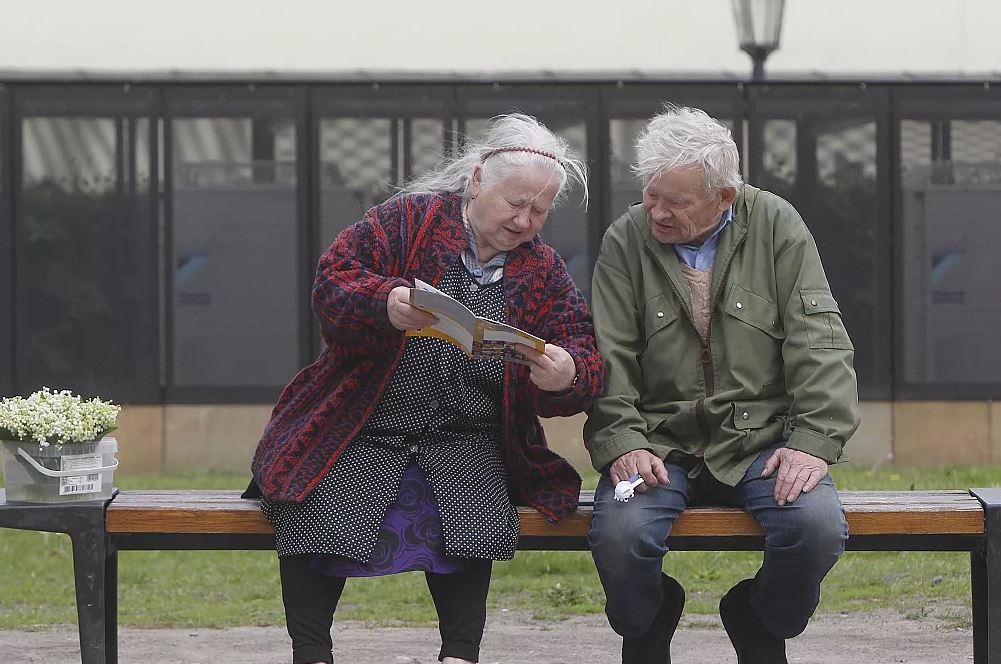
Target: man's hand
x=552, y=371
x=650, y=467
x=402, y=315
x=798, y=472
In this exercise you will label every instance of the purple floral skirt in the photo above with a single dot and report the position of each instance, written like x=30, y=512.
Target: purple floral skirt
x=410, y=537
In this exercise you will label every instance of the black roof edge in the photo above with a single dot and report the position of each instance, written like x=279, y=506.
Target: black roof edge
x=391, y=77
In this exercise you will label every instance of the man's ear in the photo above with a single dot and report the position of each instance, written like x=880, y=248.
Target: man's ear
x=727, y=196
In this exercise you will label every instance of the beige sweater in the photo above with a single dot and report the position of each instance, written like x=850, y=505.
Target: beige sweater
x=699, y=284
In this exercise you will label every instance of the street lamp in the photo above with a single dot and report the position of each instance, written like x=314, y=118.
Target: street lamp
x=759, y=24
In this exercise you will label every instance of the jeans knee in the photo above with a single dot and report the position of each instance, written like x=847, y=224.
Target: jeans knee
x=829, y=537
x=816, y=524
x=618, y=541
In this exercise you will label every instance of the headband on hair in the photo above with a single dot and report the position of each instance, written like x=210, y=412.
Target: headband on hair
x=518, y=149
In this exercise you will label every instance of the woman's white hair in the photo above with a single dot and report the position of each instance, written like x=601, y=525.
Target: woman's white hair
x=510, y=142
x=683, y=136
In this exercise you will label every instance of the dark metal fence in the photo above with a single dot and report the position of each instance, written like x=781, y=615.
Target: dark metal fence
x=158, y=238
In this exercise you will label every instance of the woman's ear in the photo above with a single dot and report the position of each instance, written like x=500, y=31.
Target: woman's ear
x=476, y=182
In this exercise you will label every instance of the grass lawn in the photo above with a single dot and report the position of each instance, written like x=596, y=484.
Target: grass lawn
x=225, y=588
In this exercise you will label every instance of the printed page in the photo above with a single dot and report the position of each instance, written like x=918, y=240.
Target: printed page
x=494, y=332
x=427, y=297
x=456, y=324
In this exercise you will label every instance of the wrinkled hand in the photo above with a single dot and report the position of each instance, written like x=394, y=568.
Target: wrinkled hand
x=552, y=371
x=650, y=467
x=798, y=472
x=402, y=315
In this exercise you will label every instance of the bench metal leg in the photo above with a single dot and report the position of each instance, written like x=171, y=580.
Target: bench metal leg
x=986, y=578
x=84, y=523
x=111, y=605
x=978, y=590
x=89, y=559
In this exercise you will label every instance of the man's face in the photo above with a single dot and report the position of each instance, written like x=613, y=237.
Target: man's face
x=679, y=209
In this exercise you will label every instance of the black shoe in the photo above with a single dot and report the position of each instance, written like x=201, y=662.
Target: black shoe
x=752, y=641
x=654, y=646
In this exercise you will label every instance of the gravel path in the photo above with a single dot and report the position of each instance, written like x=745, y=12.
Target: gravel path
x=511, y=638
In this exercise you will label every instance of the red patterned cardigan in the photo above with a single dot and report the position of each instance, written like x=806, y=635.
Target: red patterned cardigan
x=422, y=235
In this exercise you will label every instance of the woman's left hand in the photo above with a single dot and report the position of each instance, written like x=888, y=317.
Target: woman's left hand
x=552, y=371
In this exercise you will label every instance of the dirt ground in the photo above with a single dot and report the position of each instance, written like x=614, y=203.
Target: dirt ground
x=511, y=638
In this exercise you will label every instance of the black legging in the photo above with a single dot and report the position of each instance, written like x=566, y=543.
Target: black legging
x=311, y=597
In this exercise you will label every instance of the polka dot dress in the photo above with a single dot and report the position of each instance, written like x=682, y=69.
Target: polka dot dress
x=441, y=410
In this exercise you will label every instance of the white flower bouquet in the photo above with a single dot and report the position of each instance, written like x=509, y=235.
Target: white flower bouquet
x=48, y=417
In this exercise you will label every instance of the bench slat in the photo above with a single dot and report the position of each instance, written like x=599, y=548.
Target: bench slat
x=868, y=513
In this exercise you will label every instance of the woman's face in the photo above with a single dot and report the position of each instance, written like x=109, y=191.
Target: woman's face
x=510, y=211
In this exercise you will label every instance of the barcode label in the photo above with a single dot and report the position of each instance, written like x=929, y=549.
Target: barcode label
x=80, y=484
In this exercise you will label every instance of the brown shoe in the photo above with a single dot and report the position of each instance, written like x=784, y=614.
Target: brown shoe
x=654, y=646
x=752, y=641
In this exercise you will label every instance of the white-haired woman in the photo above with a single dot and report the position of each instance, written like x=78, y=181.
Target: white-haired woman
x=394, y=453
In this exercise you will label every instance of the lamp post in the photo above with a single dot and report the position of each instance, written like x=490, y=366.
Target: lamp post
x=759, y=25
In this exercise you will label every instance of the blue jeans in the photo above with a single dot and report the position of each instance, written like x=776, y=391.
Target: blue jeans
x=803, y=540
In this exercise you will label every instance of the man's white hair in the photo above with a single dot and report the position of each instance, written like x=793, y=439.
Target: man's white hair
x=681, y=137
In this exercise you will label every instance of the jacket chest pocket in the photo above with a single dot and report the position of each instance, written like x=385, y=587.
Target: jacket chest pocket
x=664, y=359
x=824, y=326
x=755, y=311
x=660, y=312
x=753, y=334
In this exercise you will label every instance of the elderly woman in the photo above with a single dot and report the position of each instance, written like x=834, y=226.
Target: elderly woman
x=393, y=453
x=730, y=382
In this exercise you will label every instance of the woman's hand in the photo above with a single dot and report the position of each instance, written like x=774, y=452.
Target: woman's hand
x=402, y=315
x=553, y=370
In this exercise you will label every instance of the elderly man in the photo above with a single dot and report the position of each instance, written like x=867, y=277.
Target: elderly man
x=729, y=382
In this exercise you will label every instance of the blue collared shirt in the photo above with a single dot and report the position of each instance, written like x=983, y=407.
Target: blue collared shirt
x=701, y=257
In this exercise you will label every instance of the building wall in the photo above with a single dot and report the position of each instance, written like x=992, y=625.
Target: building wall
x=223, y=437
x=682, y=35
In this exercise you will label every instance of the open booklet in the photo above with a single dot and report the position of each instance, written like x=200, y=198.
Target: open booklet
x=479, y=337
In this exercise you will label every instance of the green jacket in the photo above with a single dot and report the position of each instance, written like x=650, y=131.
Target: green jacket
x=778, y=365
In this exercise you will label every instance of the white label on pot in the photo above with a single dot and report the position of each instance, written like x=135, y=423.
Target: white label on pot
x=76, y=484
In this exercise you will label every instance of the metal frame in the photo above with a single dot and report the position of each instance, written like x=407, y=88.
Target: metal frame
x=119, y=103
x=256, y=102
x=931, y=103
x=593, y=100
x=401, y=104
x=803, y=104
x=6, y=245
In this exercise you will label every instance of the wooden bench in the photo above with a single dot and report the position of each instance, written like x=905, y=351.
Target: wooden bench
x=205, y=520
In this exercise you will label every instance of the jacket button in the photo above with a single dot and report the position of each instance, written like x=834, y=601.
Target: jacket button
x=745, y=416
x=660, y=314
x=813, y=303
x=740, y=306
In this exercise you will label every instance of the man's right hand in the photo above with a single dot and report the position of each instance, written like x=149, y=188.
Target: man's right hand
x=650, y=467
x=402, y=315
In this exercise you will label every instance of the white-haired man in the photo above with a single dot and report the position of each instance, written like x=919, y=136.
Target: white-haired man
x=729, y=382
